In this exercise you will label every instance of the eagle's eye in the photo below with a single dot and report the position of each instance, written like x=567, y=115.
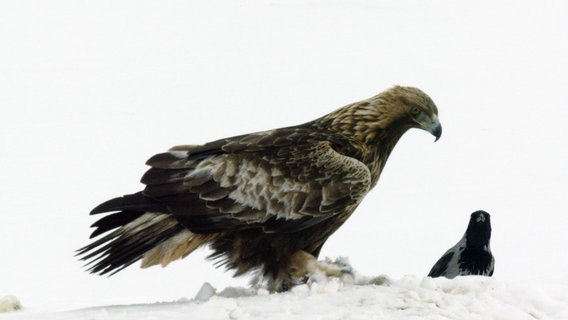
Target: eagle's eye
x=415, y=110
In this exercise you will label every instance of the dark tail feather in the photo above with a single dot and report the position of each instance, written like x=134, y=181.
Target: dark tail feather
x=113, y=221
x=140, y=224
x=129, y=206
x=132, y=202
x=127, y=245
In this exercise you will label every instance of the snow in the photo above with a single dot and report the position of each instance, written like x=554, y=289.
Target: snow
x=9, y=303
x=91, y=89
x=410, y=297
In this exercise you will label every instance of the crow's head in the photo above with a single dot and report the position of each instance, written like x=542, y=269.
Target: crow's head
x=478, y=231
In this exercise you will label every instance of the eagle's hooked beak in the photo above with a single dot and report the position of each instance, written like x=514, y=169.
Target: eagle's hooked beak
x=434, y=127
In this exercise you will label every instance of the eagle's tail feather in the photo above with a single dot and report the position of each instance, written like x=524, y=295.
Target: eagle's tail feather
x=113, y=221
x=139, y=228
x=131, y=202
x=130, y=242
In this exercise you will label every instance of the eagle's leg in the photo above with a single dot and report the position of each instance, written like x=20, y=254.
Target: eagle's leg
x=298, y=270
x=303, y=265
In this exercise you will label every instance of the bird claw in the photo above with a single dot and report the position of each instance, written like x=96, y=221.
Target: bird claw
x=338, y=268
x=317, y=270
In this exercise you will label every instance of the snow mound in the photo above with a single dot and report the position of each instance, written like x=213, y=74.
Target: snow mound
x=352, y=296
x=358, y=297
x=9, y=303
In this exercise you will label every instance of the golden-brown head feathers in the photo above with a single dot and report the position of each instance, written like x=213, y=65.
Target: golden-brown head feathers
x=391, y=113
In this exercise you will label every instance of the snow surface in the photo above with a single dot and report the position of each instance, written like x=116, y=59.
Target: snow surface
x=411, y=297
x=9, y=303
x=91, y=89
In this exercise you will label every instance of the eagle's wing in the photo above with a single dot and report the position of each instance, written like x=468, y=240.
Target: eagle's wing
x=281, y=180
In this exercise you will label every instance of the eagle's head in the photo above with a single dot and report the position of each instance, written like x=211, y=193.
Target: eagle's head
x=386, y=116
x=409, y=107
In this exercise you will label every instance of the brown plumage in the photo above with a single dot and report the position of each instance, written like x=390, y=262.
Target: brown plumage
x=264, y=201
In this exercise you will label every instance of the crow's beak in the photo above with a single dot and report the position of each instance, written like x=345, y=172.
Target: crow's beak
x=434, y=127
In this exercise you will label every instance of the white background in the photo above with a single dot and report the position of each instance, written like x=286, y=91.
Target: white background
x=90, y=89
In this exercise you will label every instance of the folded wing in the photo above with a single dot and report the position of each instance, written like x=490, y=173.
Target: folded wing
x=260, y=180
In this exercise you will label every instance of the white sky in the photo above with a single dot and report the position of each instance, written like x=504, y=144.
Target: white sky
x=90, y=89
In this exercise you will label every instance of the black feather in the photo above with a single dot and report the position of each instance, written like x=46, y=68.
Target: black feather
x=113, y=221
x=133, y=202
x=441, y=266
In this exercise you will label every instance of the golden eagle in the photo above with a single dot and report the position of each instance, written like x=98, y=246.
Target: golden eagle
x=263, y=201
